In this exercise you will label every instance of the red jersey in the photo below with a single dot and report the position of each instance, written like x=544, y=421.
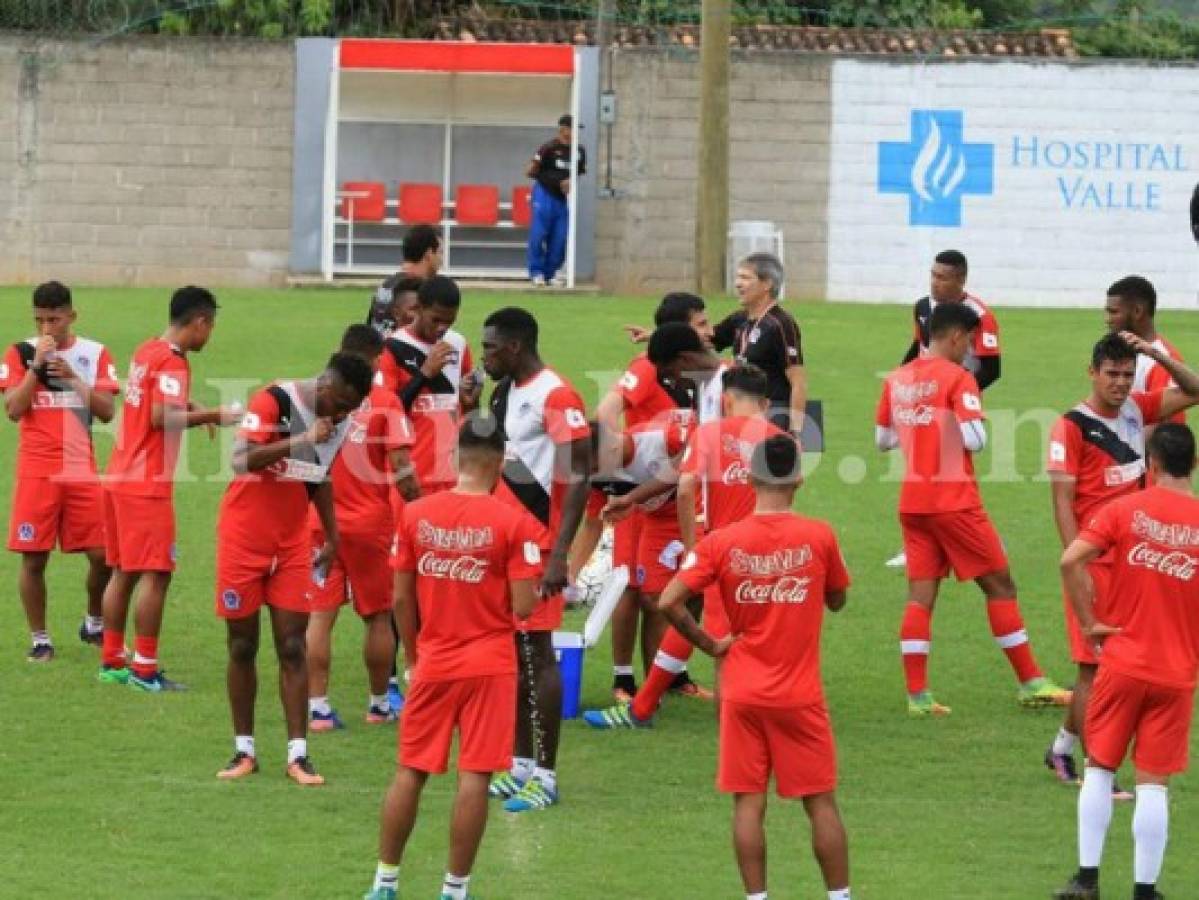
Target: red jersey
x=143, y=460
x=269, y=508
x=925, y=402
x=1104, y=464
x=719, y=453
x=1151, y=376
x=986, y=336
x=361, y=473
x=647, y=398
x=464, y=550
x=650, y=450
x=773, y=571
x=538, y=416
x=55, y=437
x=432, y=404
x=1154, y=539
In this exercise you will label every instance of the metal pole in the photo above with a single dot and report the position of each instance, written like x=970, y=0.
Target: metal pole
x=712, y=192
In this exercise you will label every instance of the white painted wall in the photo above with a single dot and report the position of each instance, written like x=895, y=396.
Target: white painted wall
x=1050, y=233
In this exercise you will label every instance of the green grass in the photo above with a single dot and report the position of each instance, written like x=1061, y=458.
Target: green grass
x=107, y=793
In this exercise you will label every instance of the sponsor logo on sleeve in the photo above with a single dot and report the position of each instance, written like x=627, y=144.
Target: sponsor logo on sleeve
x=170, y=386
x=532, y=553
x=972, y=402
x=575, y=418
x=1057, y=452
x=990, y=340
x=628, y=381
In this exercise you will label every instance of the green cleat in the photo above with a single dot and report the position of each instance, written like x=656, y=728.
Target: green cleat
x=113, y=675
x=503, y=786
x=618, y=716
x=468, y=897
x=1038, y=693
x=923, y=705
x=381, y=893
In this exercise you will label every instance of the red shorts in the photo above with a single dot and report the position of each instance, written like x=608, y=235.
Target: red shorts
x=547, y=615
x=139, y=532
x=483, y=709
x=655, y=567
x=1122, y=708
x=716, y=619
x=625, y=535
x=247, y=578
x=964, y=541
x=1081, y=650
x=795, y=745
x=370, y=585
x=47, y=511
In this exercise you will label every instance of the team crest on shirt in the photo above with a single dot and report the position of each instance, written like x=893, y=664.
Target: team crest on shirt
x=25, y=531
x=525, y=409
x=231, y=600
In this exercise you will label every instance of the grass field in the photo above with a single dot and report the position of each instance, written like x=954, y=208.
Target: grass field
x=108, y=793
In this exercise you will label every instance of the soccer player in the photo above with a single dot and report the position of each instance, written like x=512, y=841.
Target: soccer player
x=1148, y=629
x=932, y=409
x=640, y=395
x=288, y=441
x=394, y=304
x=372, y=463
x=776, y=571
x=1096, y=454
x=467, y=565
x=765, y=335
x=1130, y=306
x=139, y=488
x=713, y=492
x=54, y=384
x=428, y=365
x=947, y=284
x=545, y=474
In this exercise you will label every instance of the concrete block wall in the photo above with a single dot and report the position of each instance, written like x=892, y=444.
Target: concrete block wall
x=778, y=165
x=145, y=161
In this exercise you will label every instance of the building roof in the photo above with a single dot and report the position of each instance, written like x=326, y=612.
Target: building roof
x=1047, y=42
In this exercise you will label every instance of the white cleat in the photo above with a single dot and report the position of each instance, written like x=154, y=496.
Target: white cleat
x=898, y=561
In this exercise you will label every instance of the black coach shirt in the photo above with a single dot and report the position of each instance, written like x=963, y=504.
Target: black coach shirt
x=553, y=165
x=771, y=343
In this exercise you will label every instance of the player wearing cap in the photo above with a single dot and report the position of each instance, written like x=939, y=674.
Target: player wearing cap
x=291, y=434
x=373, y=463
x=548, y=461
x=139, y=513
x=776, y=572
x=54, y=384
x=931, y=408
x=553, y=179
x=1148, y=629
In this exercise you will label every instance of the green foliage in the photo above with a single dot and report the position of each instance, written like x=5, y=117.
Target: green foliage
x=1133, y=35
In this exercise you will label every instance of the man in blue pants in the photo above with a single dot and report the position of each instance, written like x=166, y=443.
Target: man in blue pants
x=550, y=170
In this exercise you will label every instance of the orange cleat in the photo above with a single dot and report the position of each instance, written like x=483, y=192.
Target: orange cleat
x=240, y=766
x=302, y=772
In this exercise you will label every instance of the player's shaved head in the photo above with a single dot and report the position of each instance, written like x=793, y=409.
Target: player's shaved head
x=51, y=295
x=480, y=433
x=362, y=340
x=747, y=380
x=775, y=464
x=1171, y=449
x=950, y=317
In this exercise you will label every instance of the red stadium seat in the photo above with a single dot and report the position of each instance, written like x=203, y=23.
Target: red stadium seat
x=522, y=208
x=420, y=204
x=366, y=201
x=477, y=204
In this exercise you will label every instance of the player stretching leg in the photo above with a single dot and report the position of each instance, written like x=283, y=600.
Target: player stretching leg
x=776, y=572
x=545, y=474
x=54, y=384
x=931, y=408
x=1144, y=689
x=466, y=564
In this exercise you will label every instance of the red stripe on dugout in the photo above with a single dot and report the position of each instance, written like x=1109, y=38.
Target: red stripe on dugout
x=448, y=56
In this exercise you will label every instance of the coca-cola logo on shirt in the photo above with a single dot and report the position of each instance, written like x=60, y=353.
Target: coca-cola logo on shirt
x=915, y=392
x=461, y=538
x=788, y=589
x=1173, y=563
x=737, y=472
x=467, y=569
x=770, y=565
x=1172, y=535
x=914, y=416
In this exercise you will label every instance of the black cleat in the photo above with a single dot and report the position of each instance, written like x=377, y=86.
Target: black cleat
x=1076, y=890
x=1062, y=767
x=95, y=638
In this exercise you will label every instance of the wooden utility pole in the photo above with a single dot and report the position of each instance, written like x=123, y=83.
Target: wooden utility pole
x=712, y=186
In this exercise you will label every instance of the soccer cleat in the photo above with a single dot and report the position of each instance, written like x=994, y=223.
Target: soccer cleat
x=330, y=721
x=898, y=561
x=376, y=716
x=301, y=771
x=624, y=688
x=504, y=786
x=1062, y=766
x=96, y=638
x=1076, y=890
x=113, y=675
x=618, y=716
x=450, y=897
x=684, y=687
x=381, y=893
x=923, y=704
x=40, y=653
x=533, y=796
x=1038, y=693
x=240, y=766
x=394, y=698
x=158, y=683
x=1121, y=795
